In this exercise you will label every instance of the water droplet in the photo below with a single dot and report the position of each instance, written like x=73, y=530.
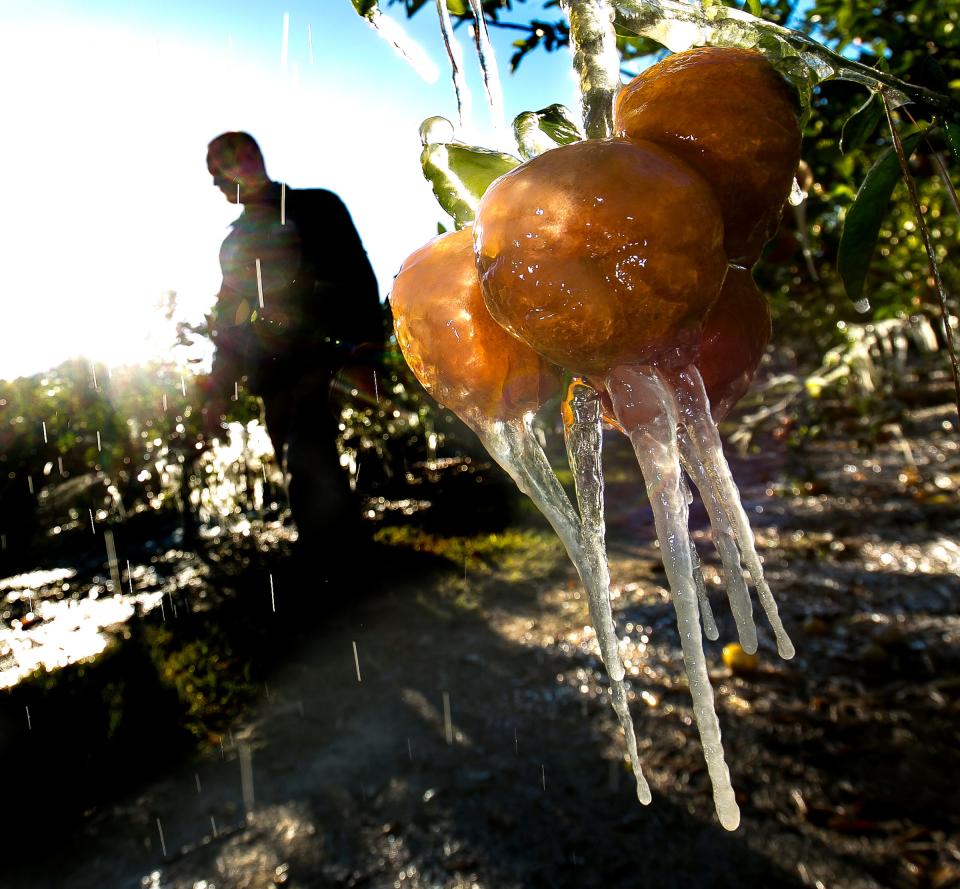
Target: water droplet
x=797, y=194
x=435, y=130
x=862, y=305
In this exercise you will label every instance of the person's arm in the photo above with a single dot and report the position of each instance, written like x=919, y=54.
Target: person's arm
x=227, y=367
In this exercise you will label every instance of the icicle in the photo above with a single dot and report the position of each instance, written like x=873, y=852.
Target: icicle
x=706, y=612
x=514, y=446
x=636, y=390
x=393, y=33
x=703, y=601
x=455, y=54
x=488, y=65
x=737, y=592
x=583, y=435
x=708, y=451
x=596, y=61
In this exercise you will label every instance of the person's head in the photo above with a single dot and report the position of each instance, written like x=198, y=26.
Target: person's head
x=235, y=159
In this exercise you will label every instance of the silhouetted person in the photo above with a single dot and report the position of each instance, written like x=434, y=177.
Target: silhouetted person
x=299, y=301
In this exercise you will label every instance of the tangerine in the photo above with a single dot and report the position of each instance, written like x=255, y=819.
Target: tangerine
x=601, y=253
x=463, y=358
x=730, y=116
x=735, y=336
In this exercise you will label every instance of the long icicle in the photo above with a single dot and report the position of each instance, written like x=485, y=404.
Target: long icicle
x=583, y=434
x=515, y=448
x=706, y=612
x=391, y=31
x=455, y=54
x=738, y=594
x=655, y=444
x=708, y=451
x=488, y=66
x=703, y=600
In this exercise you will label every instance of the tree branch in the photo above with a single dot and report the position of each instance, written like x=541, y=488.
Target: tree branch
x=928, y=246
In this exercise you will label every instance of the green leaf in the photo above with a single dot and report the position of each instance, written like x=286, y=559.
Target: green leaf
x=538, y=131
x=860, y=125
x=862, y=224
x=457, y=7
x=460, y=174
x=753, y=7
x=952, y=131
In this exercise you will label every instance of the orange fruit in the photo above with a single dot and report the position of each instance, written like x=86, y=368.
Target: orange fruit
x=601, y=253
x=462, y=357
x=730, y=116
x=735, y=336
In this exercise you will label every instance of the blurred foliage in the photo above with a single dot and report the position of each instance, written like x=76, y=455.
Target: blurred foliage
x=83, y=438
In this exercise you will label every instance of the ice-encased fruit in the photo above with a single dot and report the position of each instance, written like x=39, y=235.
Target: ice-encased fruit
x=729, y=115
x=462, y=357
x=601, y=253
x=735, y=336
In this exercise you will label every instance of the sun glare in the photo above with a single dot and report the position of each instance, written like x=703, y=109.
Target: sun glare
x=114, y=206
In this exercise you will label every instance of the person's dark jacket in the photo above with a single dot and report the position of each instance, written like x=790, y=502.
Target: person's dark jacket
x=311, y=304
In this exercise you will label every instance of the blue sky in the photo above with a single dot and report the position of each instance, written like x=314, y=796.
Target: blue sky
x=111, y=105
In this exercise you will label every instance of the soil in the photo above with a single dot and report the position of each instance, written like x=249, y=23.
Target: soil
x=441, y=725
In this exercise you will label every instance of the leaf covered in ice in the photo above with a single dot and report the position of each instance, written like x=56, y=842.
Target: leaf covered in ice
x=538, y=131
x=460, y=174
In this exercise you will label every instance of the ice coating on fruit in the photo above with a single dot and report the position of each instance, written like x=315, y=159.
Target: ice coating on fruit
x=727, y=113
x=735, y=336
x=461, y=356
x=601, y=253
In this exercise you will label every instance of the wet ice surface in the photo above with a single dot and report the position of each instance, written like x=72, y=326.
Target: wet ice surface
x=839, y=757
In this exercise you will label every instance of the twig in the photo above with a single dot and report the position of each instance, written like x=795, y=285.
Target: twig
x=928, y=246
x=945, y=178
x=674, y=22
x=941, y=166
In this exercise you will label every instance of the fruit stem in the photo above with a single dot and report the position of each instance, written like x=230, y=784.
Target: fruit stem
x=596, y=61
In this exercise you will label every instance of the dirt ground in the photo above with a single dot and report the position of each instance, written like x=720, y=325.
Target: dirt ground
x=447, y=727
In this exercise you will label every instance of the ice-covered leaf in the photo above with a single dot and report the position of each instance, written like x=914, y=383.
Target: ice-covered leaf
x=460, y=174
x=860, y=125
x=538, y=131
x=862, y=224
